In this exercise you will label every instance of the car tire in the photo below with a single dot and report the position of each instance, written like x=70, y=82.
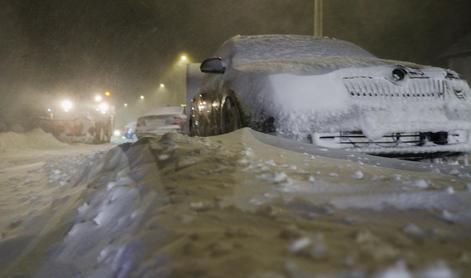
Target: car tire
x=230, y=116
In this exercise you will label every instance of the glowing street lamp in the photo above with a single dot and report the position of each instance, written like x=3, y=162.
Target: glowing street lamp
x=183, y=58
x=98, y=98
x=108, y=93
x=141, y=97
x=125, y=105
x=162, y=85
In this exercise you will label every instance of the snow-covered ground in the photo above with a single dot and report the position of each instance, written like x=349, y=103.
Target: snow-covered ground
x=242, y=204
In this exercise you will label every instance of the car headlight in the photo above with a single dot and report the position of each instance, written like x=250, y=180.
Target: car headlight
x=399, y=74
x=67, y=105
x=103, y=108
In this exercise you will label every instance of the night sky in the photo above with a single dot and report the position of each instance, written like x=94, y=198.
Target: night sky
x=77, y=47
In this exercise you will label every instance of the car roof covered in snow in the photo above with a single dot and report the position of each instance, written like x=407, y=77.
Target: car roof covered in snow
x=263, y=47
x=297, y=53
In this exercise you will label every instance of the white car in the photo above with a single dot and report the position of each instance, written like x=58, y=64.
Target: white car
x=160, y=121
x=334, y=94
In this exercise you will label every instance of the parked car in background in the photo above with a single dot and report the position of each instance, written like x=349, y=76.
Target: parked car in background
x=161, y=121
x=129, y=130
x=334, y=94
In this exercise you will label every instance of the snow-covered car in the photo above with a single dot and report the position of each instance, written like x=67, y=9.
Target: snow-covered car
x=161, y=121
x=334, y=94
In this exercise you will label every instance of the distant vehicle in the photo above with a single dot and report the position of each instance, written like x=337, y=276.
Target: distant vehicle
x=79, y=121
x=129, y=131
x=334, y=94
x=161, y=121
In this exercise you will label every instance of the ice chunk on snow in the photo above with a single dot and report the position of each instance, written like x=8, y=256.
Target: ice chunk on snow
x=358, y=175
x=422, y=184
x=277, y=177
x=299, y=245
x=163, y=157
x=248, y=152
x=449, y=217
x=413, y=229
x=438, y=270
x=83, y=208
x=397, y=271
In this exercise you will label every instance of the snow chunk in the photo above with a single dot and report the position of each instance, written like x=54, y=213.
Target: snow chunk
x=397, y=271
x=422, y=184
x=449, y=217
x=83, y=208
x=299, y=244
x=277, y=177
x=413, y=229
x=438, y=270
x=358, y=175
x=163, y=157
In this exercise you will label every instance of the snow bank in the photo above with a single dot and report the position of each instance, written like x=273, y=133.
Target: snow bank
x=35, y=139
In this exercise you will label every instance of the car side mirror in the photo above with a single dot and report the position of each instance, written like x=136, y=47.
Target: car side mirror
x=213, y=65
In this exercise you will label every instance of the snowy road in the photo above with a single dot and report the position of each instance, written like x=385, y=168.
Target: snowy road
x=237, y=205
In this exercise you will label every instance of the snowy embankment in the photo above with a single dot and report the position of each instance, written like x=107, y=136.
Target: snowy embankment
x=35, y=139
x=238, y=205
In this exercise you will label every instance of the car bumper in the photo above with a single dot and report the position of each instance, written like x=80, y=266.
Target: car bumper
x=457, y=141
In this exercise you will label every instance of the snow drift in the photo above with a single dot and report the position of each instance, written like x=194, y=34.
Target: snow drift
x=243, y=205
x=35, y=139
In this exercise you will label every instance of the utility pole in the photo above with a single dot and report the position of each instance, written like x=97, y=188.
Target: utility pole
x=318, y=18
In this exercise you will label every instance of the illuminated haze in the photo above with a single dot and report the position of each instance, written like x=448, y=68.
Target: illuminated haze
x=52, y=48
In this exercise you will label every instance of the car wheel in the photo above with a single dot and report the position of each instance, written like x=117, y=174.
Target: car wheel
x=230, y=119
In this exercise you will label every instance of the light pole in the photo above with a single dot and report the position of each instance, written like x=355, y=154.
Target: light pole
x=318, y=18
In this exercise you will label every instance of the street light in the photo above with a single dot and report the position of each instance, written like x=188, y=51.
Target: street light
x=98, y=98
x=162, y=85
x=318, y=18
x=108, y=93
x=141, y=97
x=125, y=105
x=183, y=58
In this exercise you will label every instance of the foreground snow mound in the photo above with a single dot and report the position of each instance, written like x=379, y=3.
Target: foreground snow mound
x=35, y=139
x=239, y=206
